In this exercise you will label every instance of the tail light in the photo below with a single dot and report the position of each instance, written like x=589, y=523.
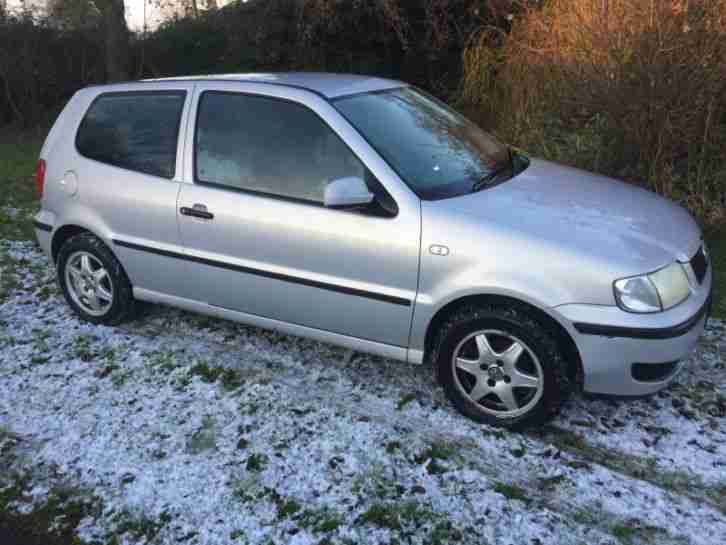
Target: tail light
x=39, y=177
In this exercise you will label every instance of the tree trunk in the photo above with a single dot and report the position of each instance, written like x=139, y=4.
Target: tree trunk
x=117, y=39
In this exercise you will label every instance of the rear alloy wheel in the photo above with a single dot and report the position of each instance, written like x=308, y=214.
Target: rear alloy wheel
x=500, y=366
x=89, y=283
x=93, y=281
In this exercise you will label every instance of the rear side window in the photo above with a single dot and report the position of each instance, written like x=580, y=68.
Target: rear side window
x=136, y=131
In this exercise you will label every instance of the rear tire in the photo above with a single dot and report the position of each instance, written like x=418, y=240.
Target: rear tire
x=500, y=366
x=93, y=281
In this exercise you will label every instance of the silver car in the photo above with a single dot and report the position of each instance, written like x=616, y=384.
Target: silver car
x=363, y=212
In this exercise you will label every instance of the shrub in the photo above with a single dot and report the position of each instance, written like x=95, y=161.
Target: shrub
x=419, y=41
x=633, y=88
x=45, y=58
x=41, y=66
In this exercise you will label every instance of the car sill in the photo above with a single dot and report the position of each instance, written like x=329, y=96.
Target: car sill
x=399, y=353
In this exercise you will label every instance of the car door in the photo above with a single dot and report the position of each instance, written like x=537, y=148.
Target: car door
x=260, y=240
x=128, y=166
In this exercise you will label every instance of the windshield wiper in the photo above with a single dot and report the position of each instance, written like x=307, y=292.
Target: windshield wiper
x=488, y=178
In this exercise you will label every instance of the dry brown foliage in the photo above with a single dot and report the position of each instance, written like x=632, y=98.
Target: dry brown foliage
x=643, y=80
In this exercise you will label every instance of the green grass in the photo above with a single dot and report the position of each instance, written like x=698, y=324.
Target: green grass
x=288, y=508
x=586, y=517
x=411, y=516
x=642, y=468
x=320, y=520
x=435, y=454
x=9, y=269
x=396, y=515
x=205, y=438
x=205, y=372
x=138, y=527
x=716, y=240
x=230, y=379
x=257, y=462
x=19, y=151
x=405, y=400
x=511, y=491
x=314, y=519
x=50, y=522
x=18, y=154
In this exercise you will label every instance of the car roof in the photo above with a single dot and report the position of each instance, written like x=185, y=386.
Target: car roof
x=326, y=84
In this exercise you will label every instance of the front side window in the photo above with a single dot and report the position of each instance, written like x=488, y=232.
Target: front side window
x=437, y=151
x=136, y=131
x=269, y=146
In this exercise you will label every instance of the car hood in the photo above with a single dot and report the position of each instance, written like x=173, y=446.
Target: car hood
x=586, y=214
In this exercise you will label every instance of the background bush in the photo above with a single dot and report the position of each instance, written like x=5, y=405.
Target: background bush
x=42, y=66
x=631, y=88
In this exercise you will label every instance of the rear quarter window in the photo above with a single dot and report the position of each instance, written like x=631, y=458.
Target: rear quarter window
x=136, y=131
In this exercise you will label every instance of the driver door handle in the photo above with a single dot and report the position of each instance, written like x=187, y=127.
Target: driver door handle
x=197, y=211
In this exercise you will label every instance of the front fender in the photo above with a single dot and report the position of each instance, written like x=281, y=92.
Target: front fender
x=538, y=291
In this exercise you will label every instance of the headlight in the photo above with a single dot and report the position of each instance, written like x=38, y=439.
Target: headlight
x=654, y=292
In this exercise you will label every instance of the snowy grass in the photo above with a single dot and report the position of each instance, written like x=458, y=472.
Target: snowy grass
x=179, y=428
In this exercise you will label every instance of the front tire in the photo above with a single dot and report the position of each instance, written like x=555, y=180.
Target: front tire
x=500, y=366
x=93, y=281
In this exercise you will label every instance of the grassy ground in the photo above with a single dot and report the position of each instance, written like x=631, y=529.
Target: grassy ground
x=717, y=246
x=253, y=403
x=18, y=154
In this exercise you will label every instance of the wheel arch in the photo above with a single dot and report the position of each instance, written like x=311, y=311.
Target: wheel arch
x=563, y=337
x=122, y=301
x=69, y=230
x=61, y=235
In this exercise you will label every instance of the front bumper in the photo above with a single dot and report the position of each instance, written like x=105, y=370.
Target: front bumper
x=616, y=346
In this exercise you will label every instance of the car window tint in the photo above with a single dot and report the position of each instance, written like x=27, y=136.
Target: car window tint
x=135, y=131
x=269, y=146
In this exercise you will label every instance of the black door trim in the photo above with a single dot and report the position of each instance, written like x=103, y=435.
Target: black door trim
x=267, y=274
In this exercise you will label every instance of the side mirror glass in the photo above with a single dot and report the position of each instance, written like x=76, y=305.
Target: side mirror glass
x=347, y=192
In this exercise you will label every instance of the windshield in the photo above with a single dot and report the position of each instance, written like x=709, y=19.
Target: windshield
x=438, y=152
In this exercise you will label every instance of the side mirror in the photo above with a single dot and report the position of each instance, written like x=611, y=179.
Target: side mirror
x=347, y=192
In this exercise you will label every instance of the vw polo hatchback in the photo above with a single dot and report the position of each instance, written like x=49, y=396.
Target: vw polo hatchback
x=363, y=212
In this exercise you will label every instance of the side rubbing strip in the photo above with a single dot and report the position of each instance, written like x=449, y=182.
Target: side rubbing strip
x=645, y=333
x=42, y=226
x=268, y=274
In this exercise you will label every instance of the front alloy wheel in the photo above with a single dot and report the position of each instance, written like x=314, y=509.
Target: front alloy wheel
x=500, y=365
x=499, y=372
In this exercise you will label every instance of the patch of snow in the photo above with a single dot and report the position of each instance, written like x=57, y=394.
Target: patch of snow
x=119, y=412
